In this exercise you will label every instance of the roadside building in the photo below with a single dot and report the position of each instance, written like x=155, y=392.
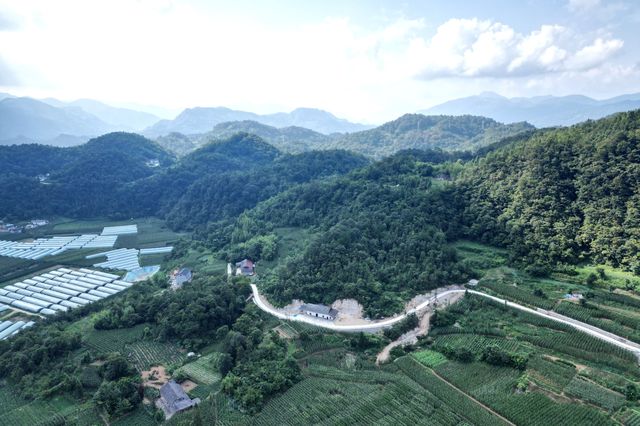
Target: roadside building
x=473, y=282
x=173, y=399
x=245, y=267
x=319, y=311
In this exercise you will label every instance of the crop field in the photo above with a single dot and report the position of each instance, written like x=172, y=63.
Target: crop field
x=613, y=276
x=476, y=343
x=595, y=394
x=364, y=397
x=204, y=370
x=619, y=323
x=105, y=341
x=146, y=353
x=629, y=417
x=13, y=268
x=16, y=411
x=524, y=296
x=495, y=386
x=140, y=417
x=552, y=374
x=430, y=358
x=470, y=409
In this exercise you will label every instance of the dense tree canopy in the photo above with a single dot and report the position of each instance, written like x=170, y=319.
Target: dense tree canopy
x=562, y=195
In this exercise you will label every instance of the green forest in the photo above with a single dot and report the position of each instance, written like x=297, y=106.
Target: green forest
x=536, y=215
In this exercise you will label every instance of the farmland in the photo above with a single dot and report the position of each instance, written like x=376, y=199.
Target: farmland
x=204, y=370
x=146, y=353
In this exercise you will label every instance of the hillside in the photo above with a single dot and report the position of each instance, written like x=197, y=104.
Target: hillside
x=81, y=181
x=202, y=120
x=541, y=111
x=380, y=235
x=416, y=131
x=113, y=176
x=561, y=195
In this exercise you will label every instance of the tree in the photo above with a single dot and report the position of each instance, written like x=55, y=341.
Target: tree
x=631, y=392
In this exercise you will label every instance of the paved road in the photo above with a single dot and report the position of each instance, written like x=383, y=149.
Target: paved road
x=379, y=325
x=371, y=326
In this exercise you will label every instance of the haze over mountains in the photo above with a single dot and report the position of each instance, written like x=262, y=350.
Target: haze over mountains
x=59, y=123
x=54, y=122
x=201, y=120
x=541, y=111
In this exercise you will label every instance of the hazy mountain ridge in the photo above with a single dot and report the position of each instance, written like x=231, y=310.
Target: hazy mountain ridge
x=30, y=118
x=202, y=120
x=121, y=118
x=541, y=111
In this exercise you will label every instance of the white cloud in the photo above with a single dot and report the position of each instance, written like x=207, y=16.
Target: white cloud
x=481, y=48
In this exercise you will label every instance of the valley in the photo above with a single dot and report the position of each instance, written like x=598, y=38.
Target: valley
x=281, y=213
x=515, y=323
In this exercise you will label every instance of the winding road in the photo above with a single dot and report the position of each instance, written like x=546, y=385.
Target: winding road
x=374, y=326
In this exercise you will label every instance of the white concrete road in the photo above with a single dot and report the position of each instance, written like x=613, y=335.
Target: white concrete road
x=374, y=326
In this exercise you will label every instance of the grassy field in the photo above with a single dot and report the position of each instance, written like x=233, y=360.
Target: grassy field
x=479, y=256
x=290, y=241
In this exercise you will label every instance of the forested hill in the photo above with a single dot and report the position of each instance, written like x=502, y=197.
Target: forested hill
x=33, y=159
x=561, y=195
x=111, y=176
x=417, y=131
x=380, y=235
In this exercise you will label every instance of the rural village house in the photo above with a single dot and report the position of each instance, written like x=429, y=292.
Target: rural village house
x=174, y=399
x=319, y=311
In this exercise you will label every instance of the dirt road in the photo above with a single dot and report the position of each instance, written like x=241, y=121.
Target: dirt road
x=411, y=336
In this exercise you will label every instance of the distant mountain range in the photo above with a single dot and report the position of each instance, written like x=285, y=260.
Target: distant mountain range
x=120, y=118
x=541, y=111
x=33, y=119
x=53, y=122
x=411, y=131
x=290, y=139
x=202, y=120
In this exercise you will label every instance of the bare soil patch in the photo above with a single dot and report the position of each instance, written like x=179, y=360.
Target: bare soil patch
x=411, y=336
x=188, y=385
x=155, y=377
x=350, y=312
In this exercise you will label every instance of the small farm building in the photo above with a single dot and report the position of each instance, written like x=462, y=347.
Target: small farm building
x=319, y=311
x=245, y=267
x=174, y=399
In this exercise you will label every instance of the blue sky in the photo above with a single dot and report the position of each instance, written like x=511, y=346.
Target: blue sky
x=368, y=61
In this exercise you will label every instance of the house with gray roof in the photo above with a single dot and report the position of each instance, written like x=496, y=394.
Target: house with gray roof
x=319, y=311
x=174, y=399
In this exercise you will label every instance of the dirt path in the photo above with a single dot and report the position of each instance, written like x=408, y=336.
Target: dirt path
x=411, y=336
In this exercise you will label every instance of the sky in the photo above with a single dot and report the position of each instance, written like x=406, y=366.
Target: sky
x=367, y=61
